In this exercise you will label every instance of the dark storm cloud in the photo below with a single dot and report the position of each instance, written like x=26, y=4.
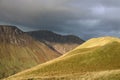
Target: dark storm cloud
x=85, y=18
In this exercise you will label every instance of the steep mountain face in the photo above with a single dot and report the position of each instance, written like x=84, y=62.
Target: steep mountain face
x=60, y=43
x=98, y=60
x=13, y=35
x=19, y=51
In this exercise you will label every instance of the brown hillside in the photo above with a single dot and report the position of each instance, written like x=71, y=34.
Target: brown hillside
x=19, y=51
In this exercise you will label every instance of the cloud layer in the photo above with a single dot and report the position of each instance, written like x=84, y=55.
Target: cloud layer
x=85, y=18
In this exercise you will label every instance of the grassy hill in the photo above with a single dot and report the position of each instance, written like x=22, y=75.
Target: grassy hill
x=19, y=51
x=97, y=59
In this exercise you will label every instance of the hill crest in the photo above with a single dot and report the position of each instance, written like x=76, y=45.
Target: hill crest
x=101, y=41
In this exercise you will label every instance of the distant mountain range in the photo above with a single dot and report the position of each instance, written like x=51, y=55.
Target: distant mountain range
x=22, y=50
x=60, y=43
x=96, y=59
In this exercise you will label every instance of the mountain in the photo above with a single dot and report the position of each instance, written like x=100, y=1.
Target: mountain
x=96, y=59
x=19, y=51
x=58, y=42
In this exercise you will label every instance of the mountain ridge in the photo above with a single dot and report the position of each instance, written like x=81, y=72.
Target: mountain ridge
x=60, y=43
x=59, y=38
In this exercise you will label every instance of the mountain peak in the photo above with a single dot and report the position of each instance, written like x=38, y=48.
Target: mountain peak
x=101, y=41
x=12, y=35
x=19, y=51
x=9, y=29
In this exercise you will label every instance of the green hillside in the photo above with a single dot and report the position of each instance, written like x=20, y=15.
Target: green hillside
x=81, y=63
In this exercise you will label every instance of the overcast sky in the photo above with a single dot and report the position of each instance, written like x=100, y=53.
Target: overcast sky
x=84, y=18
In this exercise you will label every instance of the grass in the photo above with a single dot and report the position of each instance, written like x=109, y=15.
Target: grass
x=101, y=75
x=80, y=63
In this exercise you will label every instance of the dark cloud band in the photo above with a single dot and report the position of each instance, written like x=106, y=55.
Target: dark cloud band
x=85, y=18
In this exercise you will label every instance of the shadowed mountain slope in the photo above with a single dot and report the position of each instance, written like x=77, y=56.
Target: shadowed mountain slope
x=98, y=60
x=19, y=51
x=60, y=43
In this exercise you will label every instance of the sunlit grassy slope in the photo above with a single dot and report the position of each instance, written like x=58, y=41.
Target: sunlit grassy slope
x=97, y=59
